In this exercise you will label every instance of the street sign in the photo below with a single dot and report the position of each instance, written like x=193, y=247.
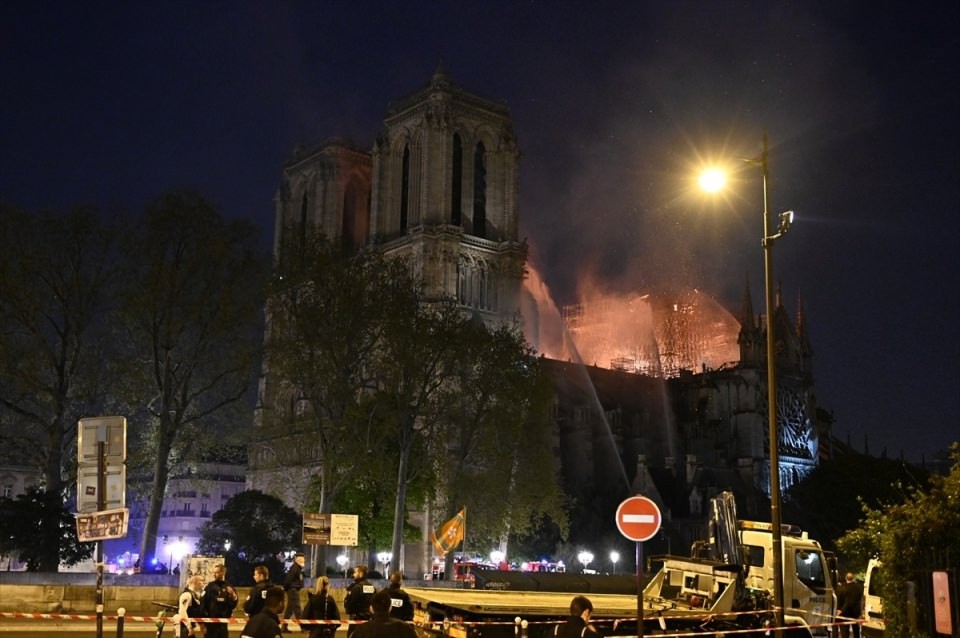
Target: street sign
x=316, y=528
x=344, y=529
x=330, y=529
x=110, y=429
x=638, y=518
x=102, y=525
x=115, y=495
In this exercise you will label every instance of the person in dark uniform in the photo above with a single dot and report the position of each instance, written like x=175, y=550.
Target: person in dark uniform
x=382, y=625
x=254, y=602
x=292, y=584
x=578, y=624
x=850, y=606
x=190, y=606
x=401, y=607
x=266, y=624
x=219, y=601
x=359, y=596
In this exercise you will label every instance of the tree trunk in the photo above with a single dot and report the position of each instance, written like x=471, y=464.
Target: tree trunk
x=321, y=552
x=161, y=472
x=400, y=506
x=49, y=559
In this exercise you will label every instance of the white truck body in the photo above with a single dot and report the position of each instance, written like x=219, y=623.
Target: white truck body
x=736, y=575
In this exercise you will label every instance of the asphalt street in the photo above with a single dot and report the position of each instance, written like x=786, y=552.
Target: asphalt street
x=88, y=628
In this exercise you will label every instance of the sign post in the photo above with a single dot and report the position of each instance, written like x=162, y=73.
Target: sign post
x=329, y=529
x=101, y=469
x=638, y=519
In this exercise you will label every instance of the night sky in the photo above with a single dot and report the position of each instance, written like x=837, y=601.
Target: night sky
x=615, y=104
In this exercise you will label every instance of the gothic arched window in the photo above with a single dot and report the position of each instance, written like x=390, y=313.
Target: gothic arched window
x=456, y=189
x=405, y=189
x=302, y=236
x=480, y=191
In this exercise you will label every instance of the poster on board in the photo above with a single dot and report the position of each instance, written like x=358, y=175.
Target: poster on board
x=199, y=566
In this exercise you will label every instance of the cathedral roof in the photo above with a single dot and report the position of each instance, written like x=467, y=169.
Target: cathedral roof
x=440, y=84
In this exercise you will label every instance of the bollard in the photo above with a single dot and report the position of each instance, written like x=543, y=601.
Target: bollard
x=120, y=614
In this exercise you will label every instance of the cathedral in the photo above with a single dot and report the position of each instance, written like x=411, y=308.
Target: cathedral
x=439, y=186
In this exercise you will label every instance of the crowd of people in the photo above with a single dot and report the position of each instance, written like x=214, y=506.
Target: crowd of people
x=386, y=612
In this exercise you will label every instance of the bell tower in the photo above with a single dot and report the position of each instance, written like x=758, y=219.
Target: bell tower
x=445, y=197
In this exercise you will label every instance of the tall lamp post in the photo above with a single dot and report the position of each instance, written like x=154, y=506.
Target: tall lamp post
x=714, y=182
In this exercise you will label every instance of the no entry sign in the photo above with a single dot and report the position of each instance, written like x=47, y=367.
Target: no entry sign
x=638, y=518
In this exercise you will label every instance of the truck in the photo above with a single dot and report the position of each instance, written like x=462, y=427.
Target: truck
x=731, y=575
x=725, y=585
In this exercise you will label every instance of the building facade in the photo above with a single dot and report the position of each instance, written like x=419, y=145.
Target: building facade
x=439, y=187
x=194, y=493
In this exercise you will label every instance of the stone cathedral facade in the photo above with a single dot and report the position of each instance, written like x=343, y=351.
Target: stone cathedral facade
x=439, y=186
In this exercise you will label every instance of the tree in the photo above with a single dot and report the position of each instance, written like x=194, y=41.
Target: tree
x=57, y=277
x=257, y=528
x=373, y=369
x=494, y=453
x=25, y=532
x=908, y=535
x=327, y=315
x=191, y=308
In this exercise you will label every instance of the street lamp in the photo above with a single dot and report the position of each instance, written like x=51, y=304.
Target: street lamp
x=585, y=559
x=712, y=181
x=614, y=557
x=385, y=558
x=342, y=561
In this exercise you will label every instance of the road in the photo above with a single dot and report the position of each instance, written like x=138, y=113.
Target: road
x=76, y=628
x=88, y=629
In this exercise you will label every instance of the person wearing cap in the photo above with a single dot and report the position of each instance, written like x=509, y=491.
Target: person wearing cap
x=293, y=584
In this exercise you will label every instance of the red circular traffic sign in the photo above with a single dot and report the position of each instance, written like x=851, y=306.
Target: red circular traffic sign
x=638, y=518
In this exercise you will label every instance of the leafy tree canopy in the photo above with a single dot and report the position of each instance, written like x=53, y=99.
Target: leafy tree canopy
x=258, y=529
x=911, y=537
x=25, y=529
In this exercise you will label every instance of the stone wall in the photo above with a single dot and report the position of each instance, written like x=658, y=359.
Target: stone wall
x=76, y=593
x=81, y=599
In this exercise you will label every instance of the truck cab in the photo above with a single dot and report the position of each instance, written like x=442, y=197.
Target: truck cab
x=808, y=589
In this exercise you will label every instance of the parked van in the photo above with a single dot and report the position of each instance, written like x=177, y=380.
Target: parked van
x=873, y=603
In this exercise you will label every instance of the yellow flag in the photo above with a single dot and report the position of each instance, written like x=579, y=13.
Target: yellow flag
x=450, y=533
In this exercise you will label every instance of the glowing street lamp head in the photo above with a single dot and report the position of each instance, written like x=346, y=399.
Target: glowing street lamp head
x=712, y=180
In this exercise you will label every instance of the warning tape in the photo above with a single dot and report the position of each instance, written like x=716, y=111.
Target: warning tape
x=433, y=625
x=163, y=619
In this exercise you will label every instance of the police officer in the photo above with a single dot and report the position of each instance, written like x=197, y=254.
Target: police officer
x=359, y=594
x=400, y=606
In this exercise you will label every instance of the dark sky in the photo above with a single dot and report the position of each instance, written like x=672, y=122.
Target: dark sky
x=614, y=105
